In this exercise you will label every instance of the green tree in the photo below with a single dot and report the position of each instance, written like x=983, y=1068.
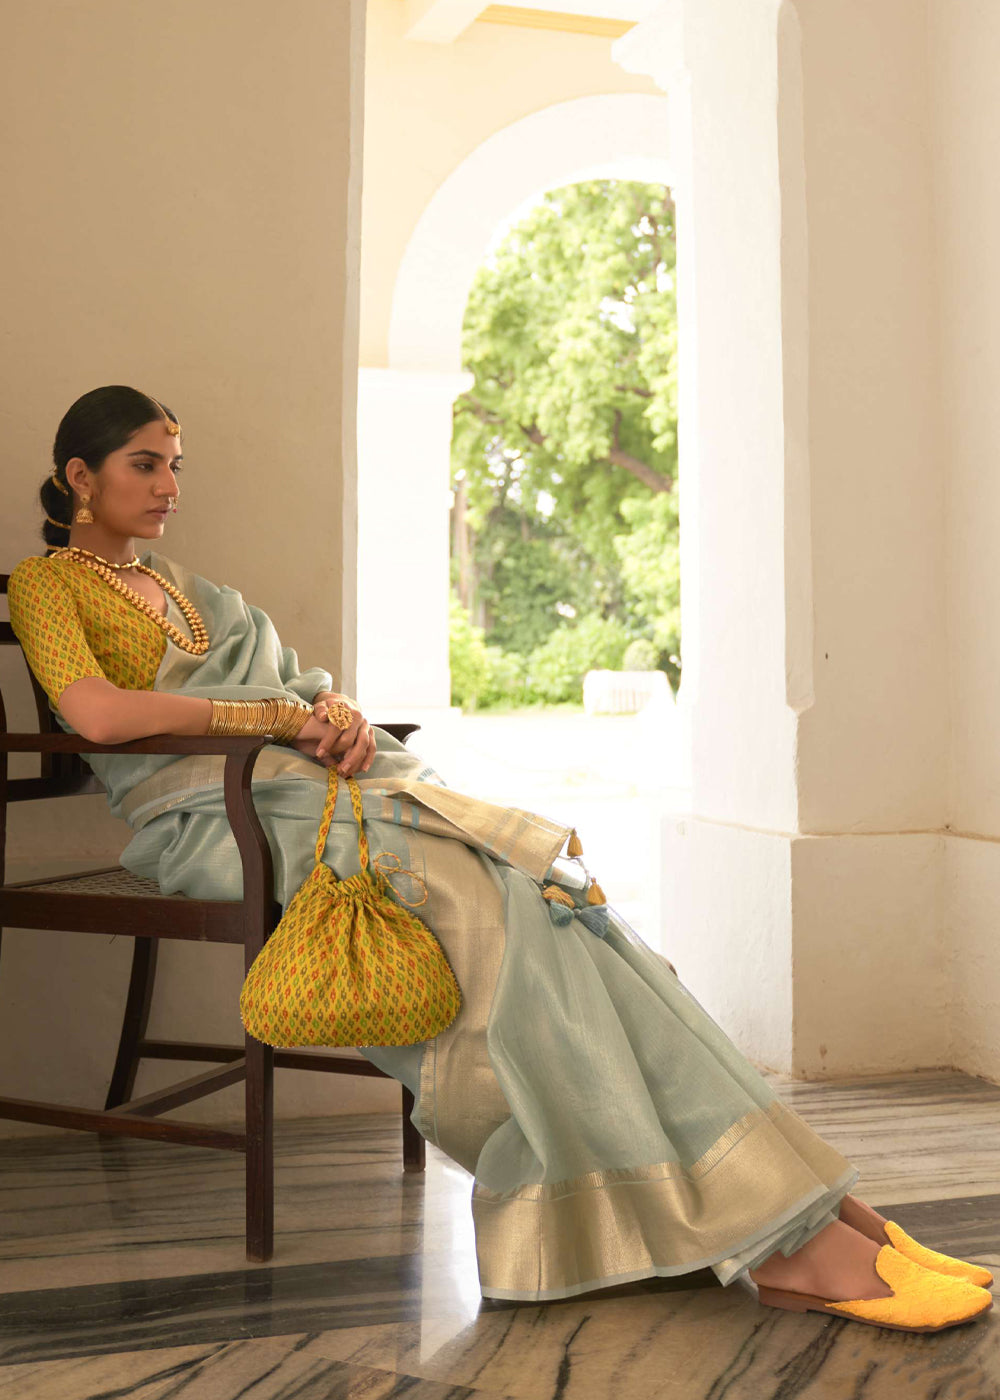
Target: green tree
x=650, y=565
x=568, y=436
x=481, y=675
x=556, y=669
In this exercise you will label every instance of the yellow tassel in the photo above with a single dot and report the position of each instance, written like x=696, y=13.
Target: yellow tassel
x=379, y=865
x=574, y=848
x=558, y=896
x=595, y=895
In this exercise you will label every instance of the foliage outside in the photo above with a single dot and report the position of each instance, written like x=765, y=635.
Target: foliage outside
x=564, y=453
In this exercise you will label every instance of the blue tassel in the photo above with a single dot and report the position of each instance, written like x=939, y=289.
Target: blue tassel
x=595, y=918
x=559, y=914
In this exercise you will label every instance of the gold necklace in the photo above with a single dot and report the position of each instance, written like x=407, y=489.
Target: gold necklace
x=78, y=551
x=106, y=570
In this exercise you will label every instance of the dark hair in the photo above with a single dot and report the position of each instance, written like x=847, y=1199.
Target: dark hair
x=98, y=424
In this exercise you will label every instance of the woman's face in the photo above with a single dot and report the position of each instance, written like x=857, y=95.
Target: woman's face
x=131, y=493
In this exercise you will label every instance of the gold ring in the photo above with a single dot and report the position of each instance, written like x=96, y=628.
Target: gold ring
x=338, y=713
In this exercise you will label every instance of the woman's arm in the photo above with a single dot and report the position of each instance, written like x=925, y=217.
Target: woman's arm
x=105, y=714
x=44, y=617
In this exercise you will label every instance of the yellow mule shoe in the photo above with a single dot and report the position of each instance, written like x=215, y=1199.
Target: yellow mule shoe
x=862, y=1217
x=931, y=1259
x=921, y=1299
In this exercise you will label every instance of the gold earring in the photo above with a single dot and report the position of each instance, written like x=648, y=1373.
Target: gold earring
x=84, y=515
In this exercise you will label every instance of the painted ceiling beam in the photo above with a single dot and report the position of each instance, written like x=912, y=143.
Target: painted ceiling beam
x=440, y=21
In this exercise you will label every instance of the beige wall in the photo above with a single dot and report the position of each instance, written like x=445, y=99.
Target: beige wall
x=868, y=877
x=181, y=192
x=179, y=214
x=874, y=744
x=902, y=120
x=964, y=43
x=963, y=60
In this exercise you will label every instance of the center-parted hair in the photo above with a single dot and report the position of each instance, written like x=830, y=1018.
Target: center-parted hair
x=96, y=425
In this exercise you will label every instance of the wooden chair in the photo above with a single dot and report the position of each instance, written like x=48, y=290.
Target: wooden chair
x=115, y=901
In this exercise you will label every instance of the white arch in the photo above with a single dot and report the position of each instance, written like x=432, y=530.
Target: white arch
x=610, y=136
x=405, y=410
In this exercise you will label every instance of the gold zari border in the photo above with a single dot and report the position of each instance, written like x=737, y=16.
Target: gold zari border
x=175, y=783
x=554, y=1240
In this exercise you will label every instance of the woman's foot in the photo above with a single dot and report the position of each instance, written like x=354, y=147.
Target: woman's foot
x=910, y=1299
x=843, y=1272
x=838, y=1263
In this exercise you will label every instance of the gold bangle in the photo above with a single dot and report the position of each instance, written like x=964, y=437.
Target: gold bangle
x=230, y=717
x=300, y=717
x=220, y=712
x=281, y=718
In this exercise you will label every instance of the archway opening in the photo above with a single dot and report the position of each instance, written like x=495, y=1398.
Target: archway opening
x=618, y=138
x=565, y=638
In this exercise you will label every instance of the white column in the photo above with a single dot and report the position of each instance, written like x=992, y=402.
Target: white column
x=726, y=882
x=803, y=890
x=404, y=455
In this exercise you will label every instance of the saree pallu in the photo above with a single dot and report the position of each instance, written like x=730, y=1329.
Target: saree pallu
x=613, y=1130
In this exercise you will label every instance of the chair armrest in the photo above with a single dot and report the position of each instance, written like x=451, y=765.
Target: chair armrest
x=241, y=752
x=156, y=743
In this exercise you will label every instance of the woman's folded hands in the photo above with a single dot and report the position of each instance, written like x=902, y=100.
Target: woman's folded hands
x=350, y=750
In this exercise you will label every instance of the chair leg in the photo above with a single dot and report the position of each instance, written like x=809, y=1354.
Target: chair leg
x=134, y=1022
x=260, y=1150
x=414, y=1146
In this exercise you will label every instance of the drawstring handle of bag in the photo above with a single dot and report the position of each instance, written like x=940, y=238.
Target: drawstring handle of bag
x=328, y=806
x=383, y=856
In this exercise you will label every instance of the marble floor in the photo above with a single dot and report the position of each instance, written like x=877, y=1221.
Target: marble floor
x=122, y=1274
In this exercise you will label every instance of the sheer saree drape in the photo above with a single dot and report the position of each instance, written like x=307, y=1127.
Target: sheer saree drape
x=613, y=1130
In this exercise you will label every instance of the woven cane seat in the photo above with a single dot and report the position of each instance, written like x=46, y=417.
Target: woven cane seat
x=103, y=882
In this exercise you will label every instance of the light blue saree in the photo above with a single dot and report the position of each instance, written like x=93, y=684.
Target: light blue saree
x=613, y=1130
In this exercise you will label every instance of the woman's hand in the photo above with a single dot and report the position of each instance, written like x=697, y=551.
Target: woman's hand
x=351, y=750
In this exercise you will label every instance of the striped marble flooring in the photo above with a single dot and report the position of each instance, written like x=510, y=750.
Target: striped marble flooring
x=122, y=1274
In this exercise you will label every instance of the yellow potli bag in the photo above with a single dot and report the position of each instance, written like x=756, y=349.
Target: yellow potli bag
x=347, y=964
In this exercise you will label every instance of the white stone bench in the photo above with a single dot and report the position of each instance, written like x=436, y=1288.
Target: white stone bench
x=624, y=692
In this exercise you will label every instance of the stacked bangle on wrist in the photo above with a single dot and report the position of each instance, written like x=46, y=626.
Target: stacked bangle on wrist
x=282, y=718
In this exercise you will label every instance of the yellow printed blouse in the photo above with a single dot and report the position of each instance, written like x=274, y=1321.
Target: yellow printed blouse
x=72, y=624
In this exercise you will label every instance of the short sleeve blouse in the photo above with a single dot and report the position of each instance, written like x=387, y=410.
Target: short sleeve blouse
x=71, y=625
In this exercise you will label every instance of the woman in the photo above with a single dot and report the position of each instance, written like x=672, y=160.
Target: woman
x=614, y=1131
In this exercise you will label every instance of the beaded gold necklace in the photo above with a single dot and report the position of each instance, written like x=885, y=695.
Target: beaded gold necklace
x=106, y=570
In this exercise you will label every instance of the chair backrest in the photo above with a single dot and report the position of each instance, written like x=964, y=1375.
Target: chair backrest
x=62, y=774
